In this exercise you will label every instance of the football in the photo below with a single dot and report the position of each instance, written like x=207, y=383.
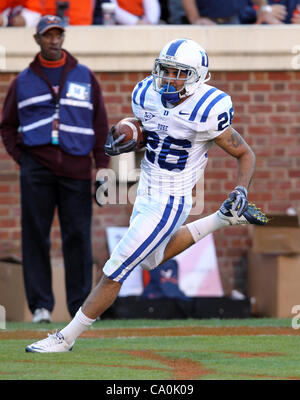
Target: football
x=130, y=128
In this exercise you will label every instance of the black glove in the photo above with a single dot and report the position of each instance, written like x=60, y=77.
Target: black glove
x=100, y=189
x=114, y=147
x=239, y=199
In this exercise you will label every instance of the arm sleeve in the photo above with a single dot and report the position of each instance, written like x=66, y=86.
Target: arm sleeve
x=10, y=123
x=152, y=11
x=100, y=125
x=135, y=103
x=219, y=119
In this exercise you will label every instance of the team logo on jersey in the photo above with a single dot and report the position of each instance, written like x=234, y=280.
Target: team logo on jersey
x=148, y=115
x=183, y=113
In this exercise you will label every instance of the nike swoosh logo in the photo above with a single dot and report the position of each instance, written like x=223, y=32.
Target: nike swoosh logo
x=183, y=113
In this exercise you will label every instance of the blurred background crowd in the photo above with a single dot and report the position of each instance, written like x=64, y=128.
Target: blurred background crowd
x=133, y=12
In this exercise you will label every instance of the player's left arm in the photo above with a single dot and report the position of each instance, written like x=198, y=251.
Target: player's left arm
x=233, y=143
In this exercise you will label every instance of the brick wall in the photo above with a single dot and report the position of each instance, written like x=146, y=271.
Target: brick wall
x=267, y=106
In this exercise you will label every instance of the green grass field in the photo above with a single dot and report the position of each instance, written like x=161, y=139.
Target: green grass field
x=249, y=349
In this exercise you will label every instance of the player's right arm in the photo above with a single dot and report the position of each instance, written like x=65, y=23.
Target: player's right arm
x=112, y=146
x=10, y=123
x=139, y=97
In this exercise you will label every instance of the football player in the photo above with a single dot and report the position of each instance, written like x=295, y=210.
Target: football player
x=183, y=116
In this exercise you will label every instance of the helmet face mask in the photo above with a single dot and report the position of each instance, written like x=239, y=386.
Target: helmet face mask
x=161, y=78
x=187, y=57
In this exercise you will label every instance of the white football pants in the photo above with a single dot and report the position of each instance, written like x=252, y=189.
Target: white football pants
x=153, y=221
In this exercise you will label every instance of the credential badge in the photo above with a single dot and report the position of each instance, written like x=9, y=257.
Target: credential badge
x=78, y=90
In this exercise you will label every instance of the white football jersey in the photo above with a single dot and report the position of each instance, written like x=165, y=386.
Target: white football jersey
x=178, y=138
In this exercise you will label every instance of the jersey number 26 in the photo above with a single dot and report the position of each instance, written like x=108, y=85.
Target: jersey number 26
x=166, y=149
x=225, y=119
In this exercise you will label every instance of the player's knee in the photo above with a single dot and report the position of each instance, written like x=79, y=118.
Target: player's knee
x=107, y=280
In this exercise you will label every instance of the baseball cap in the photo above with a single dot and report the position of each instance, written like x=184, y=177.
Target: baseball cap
x=48, y=22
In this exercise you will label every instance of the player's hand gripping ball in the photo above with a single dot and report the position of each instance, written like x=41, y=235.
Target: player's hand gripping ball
x=130, y=129
x=126, y=136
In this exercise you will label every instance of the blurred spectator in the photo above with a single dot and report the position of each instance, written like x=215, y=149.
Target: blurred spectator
x=276, y=12
x=137, y=12
x=73, y=12
x=177, y=13
x=54, y=125
x=97, y=13
x=20, y=13
x=164, y=10
x=295, y=16
x=203, y=12
x=172, y=12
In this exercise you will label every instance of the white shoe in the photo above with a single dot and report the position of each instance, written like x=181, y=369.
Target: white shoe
x=252, y=215
x=41, y=315
x=54, y=343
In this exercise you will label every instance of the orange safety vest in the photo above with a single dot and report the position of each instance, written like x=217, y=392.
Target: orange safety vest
x=33, y=5
x=79, y=13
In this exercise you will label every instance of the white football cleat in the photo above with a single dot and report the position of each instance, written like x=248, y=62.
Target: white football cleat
x=252, y=215
x=54, y=343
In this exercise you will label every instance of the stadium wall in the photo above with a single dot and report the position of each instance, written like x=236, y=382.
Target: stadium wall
x=259, y=66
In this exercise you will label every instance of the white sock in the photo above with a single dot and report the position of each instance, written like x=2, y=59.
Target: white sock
x=76, y=327
x=204, y=226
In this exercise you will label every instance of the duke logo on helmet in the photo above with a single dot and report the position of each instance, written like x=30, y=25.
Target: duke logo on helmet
x=204, y=59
